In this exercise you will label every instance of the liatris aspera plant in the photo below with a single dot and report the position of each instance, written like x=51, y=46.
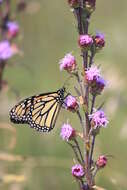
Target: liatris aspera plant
x=90, y=85
x=9, y=30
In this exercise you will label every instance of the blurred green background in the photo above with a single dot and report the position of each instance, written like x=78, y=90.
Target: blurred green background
x=48, y=32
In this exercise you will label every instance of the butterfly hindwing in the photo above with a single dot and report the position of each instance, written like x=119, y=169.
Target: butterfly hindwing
x=19, y=112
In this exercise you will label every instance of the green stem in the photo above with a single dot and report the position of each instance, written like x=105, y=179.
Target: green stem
x=81, y=120
x=92, y=149
x=79, y=150
x=75, y=152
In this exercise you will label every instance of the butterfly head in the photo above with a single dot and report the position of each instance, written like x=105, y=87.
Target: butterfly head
x=61, y=92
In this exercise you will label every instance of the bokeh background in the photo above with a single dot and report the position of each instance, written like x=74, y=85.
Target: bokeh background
x=48, y=32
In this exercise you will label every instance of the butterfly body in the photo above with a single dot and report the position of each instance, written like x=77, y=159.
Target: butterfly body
x=39, y=111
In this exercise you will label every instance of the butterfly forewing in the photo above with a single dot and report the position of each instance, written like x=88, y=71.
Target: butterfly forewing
x=39, y=111
x=54, y=116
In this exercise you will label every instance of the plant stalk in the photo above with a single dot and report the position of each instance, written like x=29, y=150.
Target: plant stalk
x=83, y=29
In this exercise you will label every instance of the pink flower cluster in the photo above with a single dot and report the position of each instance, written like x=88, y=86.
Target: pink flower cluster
x=94, y=79
x=5, y=50
x=68, y=63
x=98, y=119
x=85, y=41
x=78, y=171
x=92, y=74
x=67, y=132
x=71, y=103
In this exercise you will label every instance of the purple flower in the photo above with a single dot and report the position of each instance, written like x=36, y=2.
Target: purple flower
x=97, y=86
x=85, y=41
x=5, y=50
x=100, y=35
x=99, y=40
x=78, y=171
x=100, y=83
x=67, y=132
x=102, y=161
x=98, y=119
x=95, y=81
x=68, y=63
x=71, y=103
x=13, y=28
x=92, y=74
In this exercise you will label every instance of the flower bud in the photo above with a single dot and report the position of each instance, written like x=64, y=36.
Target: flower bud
x=102, y=161
x=74, y=3
x=78, y=171
x=21, y=5
x=12, y=29
x=90, y=5
x=99, y=40
x=85, y=187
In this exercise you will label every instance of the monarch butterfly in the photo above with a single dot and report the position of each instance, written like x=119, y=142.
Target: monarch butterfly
x=39, y=111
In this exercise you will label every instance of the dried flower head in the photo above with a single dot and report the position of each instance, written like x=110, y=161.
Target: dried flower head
x=67, y=132
x=78, y=171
